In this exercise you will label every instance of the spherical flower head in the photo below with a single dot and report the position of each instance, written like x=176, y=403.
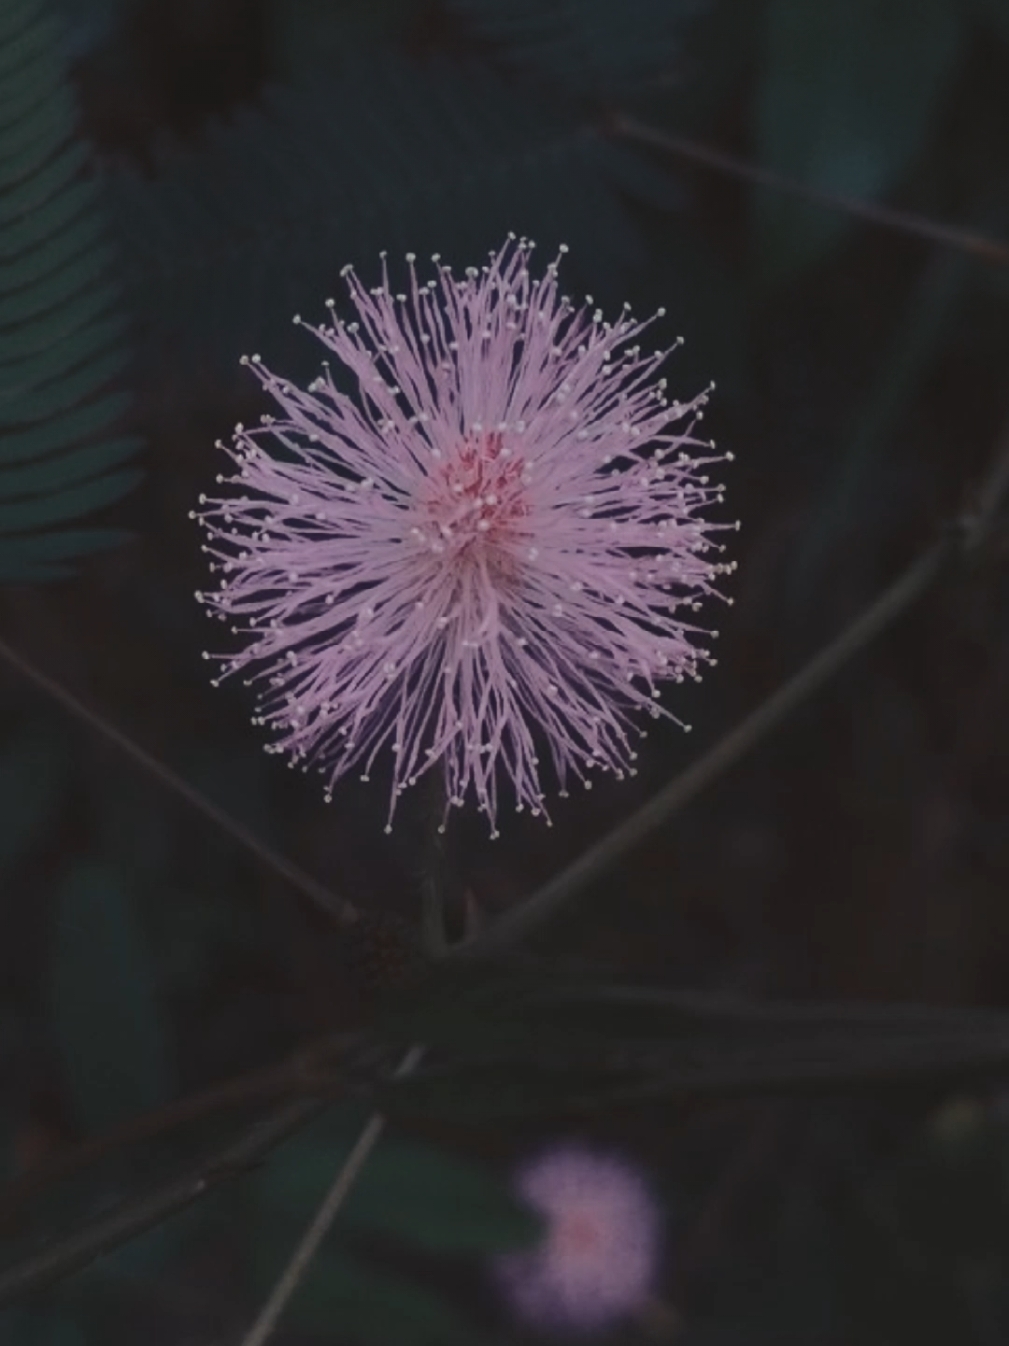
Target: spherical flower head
x=487, y=554
x=599, y=1255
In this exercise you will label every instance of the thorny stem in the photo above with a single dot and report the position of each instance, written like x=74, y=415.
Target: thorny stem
x=136, y=1217
x=301, y=1260
x=988, y=249
x=964, y=540
x=341, y=910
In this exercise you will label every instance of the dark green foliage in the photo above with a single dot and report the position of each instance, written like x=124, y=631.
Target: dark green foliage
x=313, y=37
x=847, y=94
x=409, y=1193
x=60, y=333
x=927, y=1247
x=997, y=11
x=913, y=1249
x=106, y=1014
x=37, y=1327
x=915, y=344
x=370, y=1306
x=88, y=23
x=228, y=244
x=33, y=772
x=586, y=46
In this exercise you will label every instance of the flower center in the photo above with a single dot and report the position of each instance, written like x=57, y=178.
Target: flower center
x=577, y=1232
x=476, y=496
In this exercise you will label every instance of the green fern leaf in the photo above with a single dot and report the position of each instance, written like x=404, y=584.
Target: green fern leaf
x=67, y=469
x=62, y=433
x=61, y=335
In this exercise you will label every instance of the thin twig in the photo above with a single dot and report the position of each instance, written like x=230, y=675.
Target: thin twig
x=337, y=907
x=136, y=1217
x=323, y=1219
x=302, y=1073
x=988, y=249
x=593, y=863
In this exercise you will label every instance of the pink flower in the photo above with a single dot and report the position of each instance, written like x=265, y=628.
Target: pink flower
x=481, y=557
x=599, y=1255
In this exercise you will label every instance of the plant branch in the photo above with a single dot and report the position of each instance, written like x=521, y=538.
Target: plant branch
x=965, y=539
x=978, y=245
x=341, y=910
x=593, y=863
x=305, y=1072
x=323, y=1219
x=136, y=1217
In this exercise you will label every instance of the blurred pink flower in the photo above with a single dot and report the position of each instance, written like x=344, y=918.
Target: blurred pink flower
x=482, y=555
x=600, y=1251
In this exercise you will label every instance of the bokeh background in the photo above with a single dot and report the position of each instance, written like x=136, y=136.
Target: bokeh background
x=239, y=153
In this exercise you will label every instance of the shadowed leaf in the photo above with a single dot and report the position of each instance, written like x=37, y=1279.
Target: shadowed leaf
x=847, y=92
x=106, y=1016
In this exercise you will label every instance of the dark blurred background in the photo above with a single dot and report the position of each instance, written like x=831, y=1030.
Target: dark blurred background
x=244, y=151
